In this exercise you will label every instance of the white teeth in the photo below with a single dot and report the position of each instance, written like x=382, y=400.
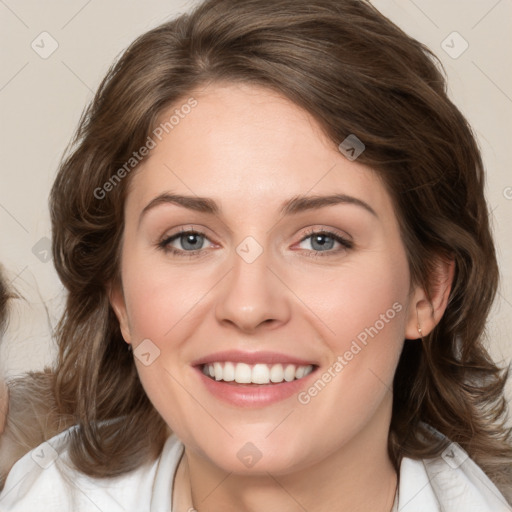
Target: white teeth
x=300, y=372
x=276, y=373
x=228, y=373
x=243, y=373
x=289, y=373
x=260, y=373
x=217, y=369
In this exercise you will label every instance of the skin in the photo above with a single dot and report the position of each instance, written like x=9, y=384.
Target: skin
x=250, y=150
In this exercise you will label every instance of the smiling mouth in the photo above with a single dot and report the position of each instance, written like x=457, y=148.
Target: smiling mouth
x=255, y=374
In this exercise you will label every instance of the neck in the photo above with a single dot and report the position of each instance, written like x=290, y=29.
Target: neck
x=357, y=477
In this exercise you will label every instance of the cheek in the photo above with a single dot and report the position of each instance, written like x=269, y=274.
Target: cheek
x=163, y=306
x=374, y=309
x=357, y=296
x=360, y=312
x=158, y=299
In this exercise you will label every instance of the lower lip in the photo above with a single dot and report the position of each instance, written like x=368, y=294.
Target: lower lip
x=253, y=395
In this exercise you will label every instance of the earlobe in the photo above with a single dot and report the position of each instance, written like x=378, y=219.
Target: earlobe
x=426, y=310
x=118, y=303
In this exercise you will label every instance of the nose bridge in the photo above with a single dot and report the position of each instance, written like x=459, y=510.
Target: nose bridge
x=252, y=295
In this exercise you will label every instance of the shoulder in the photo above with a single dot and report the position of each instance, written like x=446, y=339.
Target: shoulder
x=43, y=480
x=451, y=482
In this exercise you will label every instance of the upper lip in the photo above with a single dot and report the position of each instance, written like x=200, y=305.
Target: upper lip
x=238, y=356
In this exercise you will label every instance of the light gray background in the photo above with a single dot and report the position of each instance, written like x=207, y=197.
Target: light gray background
x=41, y=100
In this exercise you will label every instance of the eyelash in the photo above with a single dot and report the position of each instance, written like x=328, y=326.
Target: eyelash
x=164, y=244
x=344, y=242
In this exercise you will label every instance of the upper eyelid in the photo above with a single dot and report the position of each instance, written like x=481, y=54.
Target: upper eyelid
x=182, y=230
x=328, y=230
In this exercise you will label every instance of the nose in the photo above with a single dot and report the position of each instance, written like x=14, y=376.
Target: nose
x=253, y=296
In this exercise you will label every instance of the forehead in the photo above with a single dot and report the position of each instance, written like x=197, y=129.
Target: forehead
x=244, y=144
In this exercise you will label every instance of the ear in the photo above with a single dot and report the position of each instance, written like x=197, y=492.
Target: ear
x=118, y=303
x=426, y=311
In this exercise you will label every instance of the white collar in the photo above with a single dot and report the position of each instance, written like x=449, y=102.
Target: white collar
x=433, y=485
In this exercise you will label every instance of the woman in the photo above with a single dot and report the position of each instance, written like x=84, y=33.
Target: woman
x=274, y=236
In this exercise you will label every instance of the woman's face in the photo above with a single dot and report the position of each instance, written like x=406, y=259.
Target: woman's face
x=274, y=273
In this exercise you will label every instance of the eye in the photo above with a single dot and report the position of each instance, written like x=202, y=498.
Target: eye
x=322, y=241
x=189, y=242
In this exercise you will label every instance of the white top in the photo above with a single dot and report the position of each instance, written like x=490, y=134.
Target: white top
x=36, y=483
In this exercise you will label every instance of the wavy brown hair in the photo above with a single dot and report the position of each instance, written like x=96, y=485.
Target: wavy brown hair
x=5, y=295
x=356, y=73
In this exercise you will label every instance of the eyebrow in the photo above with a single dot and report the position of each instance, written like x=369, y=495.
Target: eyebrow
x=295, y=205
